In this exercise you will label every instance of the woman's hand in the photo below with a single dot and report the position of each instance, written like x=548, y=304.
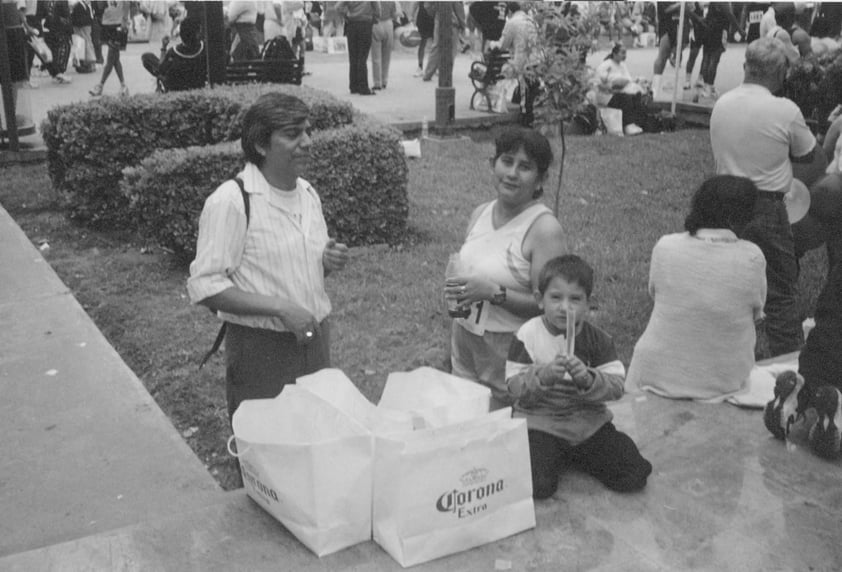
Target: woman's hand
x=468, y=290
x=334, y=256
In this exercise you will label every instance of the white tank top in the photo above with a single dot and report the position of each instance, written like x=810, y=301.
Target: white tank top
x=497, y=254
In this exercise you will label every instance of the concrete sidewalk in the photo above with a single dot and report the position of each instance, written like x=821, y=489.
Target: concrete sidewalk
x=94, y=477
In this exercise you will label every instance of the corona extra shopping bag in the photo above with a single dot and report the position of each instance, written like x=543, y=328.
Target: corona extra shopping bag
x=333, y=386
x=309, y=465
x=435, y=398
x=441, y=491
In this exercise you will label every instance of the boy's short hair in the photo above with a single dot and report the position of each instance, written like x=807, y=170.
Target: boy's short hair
x=571, y=268
x=271, y=111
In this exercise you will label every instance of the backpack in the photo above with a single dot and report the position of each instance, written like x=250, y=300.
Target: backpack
x=278, y=48
x=221, y=335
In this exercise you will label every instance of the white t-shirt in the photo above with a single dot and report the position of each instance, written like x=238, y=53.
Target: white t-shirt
x=753, y=134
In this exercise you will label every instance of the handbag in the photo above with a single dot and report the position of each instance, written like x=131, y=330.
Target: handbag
x=308, y=465
x=41, y=49
x=445, y=490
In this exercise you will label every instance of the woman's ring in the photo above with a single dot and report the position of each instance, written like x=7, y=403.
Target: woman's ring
x=463, y=289
x=308, y=334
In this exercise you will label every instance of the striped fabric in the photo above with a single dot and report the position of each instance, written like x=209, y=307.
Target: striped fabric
x=280, y=256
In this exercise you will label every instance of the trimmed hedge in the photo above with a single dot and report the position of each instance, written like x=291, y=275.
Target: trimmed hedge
x=359, y=172
x=90, y=143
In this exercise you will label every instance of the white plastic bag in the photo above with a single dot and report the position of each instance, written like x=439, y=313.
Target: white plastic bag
x=435, y=398
x=337, y=45
x=612, y=119
x=309, y=465
x=333, y=386
x=445, y=490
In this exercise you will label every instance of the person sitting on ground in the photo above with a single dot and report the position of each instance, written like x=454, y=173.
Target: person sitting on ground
x=182, y=67
x=563, y=396
x=617, y=89
x=709, y=288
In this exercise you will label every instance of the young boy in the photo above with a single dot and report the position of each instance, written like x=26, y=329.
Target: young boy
x=562, y=397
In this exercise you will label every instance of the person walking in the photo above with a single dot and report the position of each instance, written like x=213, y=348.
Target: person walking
x=55, y=16
x=425, y=22
x=359, y=22
x=115, y=32
x=382, y=42
x=82, y=18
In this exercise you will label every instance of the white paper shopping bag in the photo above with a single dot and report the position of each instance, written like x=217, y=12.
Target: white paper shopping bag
x=441, y=491
x=309, y=465
x=333, y=386
x=435, y=398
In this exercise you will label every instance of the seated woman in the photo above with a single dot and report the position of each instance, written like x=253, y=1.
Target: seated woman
x=615, y=88
x=182, y=67
x=709, y=288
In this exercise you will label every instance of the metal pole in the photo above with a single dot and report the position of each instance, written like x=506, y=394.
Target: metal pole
x=445, y=93
x=7, y=88
x=680, y=41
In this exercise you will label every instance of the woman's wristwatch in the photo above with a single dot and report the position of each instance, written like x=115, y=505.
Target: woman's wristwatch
x=499, y=297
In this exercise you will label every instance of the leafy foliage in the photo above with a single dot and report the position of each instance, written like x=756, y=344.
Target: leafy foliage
x=90, y=143
x=359, y=172
x=815, y=84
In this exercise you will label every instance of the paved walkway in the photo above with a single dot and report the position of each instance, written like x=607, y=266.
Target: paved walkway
x=94, y=477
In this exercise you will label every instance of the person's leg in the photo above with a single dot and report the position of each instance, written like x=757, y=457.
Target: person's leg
x=118, y=67
x=354, y=31
x=664, y=49
x=110, y=58
x=433, y=56
x=376, y=55
x=612, y=458
x=713, y=65
x=386, y=53
x=770, y=230
x=365, y=48
x=691, y=63
x=421, y=47
x=546, y=454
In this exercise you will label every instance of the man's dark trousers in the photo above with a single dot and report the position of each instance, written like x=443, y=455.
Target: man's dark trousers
x=359, y=44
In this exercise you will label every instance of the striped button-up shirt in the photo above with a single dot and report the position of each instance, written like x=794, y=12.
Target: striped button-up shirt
x=275, y=254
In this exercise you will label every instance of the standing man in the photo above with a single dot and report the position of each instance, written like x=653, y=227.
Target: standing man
x=382, y=42
x=758, y=135
x=359, y=21
x=457, y=24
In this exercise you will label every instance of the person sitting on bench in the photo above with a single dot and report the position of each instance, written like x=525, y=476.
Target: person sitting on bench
x=183, y=66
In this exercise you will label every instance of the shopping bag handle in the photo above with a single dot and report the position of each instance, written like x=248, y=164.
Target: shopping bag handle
x=231, y=452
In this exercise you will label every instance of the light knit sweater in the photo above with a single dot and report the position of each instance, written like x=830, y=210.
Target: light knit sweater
x=708, y=291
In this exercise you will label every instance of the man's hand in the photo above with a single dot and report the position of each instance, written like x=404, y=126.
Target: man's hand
x=335, y=256
x=300, y=322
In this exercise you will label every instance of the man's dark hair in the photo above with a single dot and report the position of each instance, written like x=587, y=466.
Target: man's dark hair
x=571, y=268
x=271, y=111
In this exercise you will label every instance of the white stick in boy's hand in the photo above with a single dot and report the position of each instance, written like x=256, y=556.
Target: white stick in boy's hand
x=570, y=335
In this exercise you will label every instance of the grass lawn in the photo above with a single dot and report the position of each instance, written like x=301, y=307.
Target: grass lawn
x=619, y=196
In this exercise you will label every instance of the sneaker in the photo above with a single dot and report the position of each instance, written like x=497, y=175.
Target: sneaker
x=33, y=83
x=124, y=90
x=61, y=78
x=788, y=405
x=96, y=91
x=632, y=129
x=712, y=93
x=419, y=73
x=826, y=434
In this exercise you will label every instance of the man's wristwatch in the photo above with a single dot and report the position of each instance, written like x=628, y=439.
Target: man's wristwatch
x=499, y=297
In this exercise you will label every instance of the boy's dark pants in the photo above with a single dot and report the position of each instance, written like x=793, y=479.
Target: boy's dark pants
x=608, y=455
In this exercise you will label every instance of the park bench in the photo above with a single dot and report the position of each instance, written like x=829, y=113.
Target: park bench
x=264, y=71
x=484, y=75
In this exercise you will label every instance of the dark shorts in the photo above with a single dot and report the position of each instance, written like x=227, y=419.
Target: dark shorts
x=115, y=37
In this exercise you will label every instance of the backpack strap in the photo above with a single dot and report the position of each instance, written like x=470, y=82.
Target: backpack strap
x=221, y=335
